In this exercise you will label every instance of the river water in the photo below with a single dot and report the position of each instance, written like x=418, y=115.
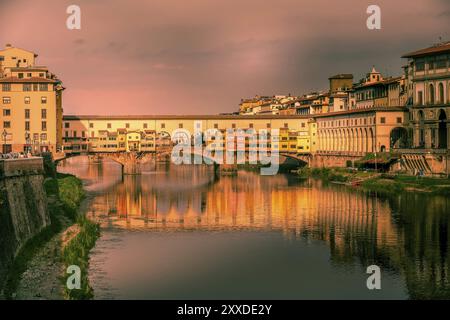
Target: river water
x=180, y=232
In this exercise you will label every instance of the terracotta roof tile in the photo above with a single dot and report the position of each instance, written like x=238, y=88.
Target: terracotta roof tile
x=440, y=48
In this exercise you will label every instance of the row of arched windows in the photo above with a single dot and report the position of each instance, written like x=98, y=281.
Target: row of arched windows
x=432, y=99
x=347, y=140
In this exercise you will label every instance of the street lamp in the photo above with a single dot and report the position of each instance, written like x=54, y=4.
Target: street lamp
x=4, y=135
x=27, y=141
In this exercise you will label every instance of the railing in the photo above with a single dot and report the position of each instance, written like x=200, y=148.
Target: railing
x=421, y=151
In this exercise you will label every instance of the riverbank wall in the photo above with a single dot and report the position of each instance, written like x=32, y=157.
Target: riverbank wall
x=23, y=207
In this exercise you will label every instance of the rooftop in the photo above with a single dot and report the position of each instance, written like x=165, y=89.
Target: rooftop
x=27, y=80
x=435, y=49
x=342, y=76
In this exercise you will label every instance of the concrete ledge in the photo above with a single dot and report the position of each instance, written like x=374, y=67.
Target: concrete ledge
x=20, y=167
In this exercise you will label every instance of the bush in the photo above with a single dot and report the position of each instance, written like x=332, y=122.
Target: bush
x=71, y=194
x=49, y=165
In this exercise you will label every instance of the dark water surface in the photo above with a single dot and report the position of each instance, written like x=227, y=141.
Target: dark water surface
x=179, y=232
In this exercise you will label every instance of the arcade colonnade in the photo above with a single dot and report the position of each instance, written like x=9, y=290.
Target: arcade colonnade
x=354, y=140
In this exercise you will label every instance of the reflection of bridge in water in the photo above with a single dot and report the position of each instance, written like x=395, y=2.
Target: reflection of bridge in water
x=132, y=162
x=407, y=234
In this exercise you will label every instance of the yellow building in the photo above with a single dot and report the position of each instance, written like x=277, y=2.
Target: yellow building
x=31, y=103
x=307, y=138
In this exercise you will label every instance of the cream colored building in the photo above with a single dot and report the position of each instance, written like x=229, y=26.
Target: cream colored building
x=147, y=133
x=31, y=103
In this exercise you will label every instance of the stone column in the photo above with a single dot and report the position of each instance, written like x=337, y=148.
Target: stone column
x=416, y=135
x=427, y=136
x=435, y=128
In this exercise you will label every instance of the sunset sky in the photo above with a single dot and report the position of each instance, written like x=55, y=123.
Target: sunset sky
x=203, y=56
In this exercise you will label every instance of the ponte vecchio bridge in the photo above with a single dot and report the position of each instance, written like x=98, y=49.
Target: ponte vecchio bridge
x=330, y=139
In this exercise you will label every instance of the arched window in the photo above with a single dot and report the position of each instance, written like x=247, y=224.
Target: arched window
x=431, y=93
x=441, y=93
x=448, y=93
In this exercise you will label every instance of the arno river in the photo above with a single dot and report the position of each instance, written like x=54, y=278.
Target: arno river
x=179, y=232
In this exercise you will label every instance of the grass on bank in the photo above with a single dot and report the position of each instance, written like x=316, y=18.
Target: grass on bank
x=77, y=253
x=381, y=183
x=334, y=174
x=65, y=193
x=400, y=183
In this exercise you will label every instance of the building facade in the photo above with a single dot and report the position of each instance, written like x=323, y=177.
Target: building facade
x=428, y=78
x=31, y=103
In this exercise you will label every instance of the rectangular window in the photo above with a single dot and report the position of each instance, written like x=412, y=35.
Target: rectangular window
x=44, y=100
x=91, y=125
x=286, y=125
x=303, y=125
x=233, y=125
x=29, y=75
x=42, y=75
x=44, y=125
x=27, y=100
x=382, y=120
x=35, y=87
x=420, y=66
x=6, y=86
x=441, y=64
x=43, y=136
x=145, y=125
x=250, y=125
x=399, y=119
x=216, y=126
x=6, y=112
x=20, y=75
x=27, y=125
x=127, y=125
x=6, y=124
x=108, y=125
x=74, y=133
x=27, y=87
x=268, y=125
x=6, y=100
x=27, y=113
x=35, y=136
x=180, y=126
x=66, y=133
x=163, y=125
x=44, y=113
x=66, y=125
x=43, y=87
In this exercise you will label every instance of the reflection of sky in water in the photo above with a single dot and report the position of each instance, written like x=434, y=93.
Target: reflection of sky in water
x=181, y=233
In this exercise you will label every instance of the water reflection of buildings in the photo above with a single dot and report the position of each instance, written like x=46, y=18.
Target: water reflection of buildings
x=407, y=234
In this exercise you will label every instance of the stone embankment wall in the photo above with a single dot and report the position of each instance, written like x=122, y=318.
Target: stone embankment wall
x=23, y=207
